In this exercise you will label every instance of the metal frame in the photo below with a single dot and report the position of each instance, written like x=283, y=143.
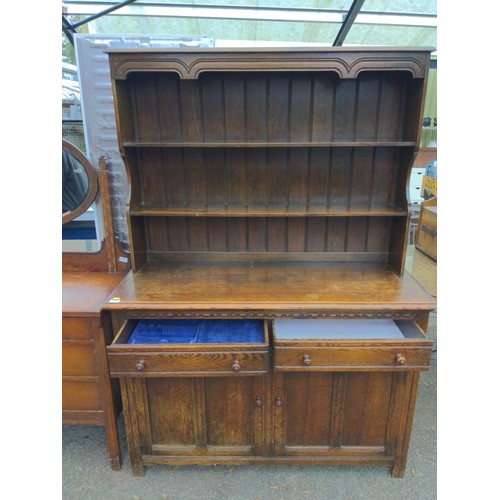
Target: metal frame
x=70, y=29
x=348, y=22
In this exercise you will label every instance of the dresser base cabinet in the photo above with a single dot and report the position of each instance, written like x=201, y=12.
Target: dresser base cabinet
x=290, y=414
x=311, y=419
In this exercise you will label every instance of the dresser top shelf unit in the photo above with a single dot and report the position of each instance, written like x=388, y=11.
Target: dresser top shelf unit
x=269, y=154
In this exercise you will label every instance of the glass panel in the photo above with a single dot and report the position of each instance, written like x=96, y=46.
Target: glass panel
x=408, y=36
x=413, y=7
x=307, y=4
x=222, y=29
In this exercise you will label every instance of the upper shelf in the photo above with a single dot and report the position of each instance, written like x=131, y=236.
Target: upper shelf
x=273, y=144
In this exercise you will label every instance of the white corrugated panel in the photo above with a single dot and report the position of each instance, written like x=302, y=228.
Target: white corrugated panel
x=98, y=110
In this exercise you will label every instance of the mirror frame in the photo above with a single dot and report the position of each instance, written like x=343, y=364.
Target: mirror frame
x=93, y=184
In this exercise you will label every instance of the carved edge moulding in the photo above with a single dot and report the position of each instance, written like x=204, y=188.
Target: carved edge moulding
x=348, y=66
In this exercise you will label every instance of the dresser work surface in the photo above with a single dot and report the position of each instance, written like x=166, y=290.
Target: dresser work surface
x=244, y=286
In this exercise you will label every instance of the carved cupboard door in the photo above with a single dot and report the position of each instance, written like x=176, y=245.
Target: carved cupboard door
x=193, y=419
x=358, y=417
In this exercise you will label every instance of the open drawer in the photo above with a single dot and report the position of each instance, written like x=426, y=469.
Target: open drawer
x=349, y=345
x=155, y=348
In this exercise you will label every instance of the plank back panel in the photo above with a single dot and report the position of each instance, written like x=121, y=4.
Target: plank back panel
x=268, y=234
x=276, y=177
x=276, y=106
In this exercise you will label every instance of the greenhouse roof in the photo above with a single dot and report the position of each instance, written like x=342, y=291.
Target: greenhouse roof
x=263, y=22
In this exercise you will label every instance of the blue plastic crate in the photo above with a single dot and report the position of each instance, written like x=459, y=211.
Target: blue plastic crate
x=197, y=332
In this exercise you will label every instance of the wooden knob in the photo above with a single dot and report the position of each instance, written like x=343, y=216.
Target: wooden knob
x=279, y=402
x=258, y=402
x=139, y=366
x=236, y=366
x=400, y=359
x=307, y=360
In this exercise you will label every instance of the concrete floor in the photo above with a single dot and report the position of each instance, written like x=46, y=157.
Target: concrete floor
x=86, y=473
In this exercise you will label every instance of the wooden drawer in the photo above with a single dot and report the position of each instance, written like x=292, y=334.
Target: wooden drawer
x=186, y=359
x=81, y=395
x=79, y=328
x=78, y=359
x=349, y=345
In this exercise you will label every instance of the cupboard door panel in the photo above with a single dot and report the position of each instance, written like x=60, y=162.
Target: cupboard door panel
x=334, y=413
x=308, y=409
x=228, y=406
x=199, y=416
x=366, y=408
x=172, y=410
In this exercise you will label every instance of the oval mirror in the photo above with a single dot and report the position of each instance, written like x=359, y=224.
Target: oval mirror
x=79, y=182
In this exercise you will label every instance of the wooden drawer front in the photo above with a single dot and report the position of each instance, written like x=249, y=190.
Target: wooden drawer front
x=153, y=360
x=194, y=363
x=315, y=345
x=78, y=360
x=80, y=395
x=338, y=358
x=78, y=328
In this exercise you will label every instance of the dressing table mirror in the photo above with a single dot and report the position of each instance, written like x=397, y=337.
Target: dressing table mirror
x=79, y=182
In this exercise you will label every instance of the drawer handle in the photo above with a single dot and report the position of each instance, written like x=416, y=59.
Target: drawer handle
x=400, y=359
x=278, y=402
x=236, y=366
x=139, y=366
x=258, y=402
x=307, y=360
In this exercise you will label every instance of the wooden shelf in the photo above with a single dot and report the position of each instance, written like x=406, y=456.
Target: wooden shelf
x=294, y=144
x=297, y=211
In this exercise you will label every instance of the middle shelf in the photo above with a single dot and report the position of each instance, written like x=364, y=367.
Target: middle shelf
x=364, y=210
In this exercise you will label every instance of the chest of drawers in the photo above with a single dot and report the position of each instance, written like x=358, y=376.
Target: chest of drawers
x=88, y=395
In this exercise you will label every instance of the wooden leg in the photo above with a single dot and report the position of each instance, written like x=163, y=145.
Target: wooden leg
x=108, y=398
x=115, y=455
x=137, y=468
x=410, y=397
x=131, y=428
x=116, y=462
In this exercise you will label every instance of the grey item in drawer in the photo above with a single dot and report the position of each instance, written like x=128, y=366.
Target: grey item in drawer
x=288, y=329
